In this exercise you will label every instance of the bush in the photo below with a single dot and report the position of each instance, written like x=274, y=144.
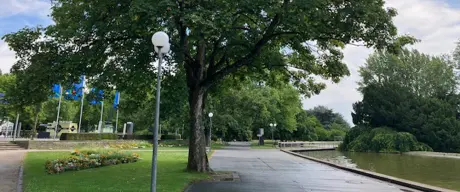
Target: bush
x=170, y=137
x=362, y=139
x=138, y=145
x=89, y=159
x=138, y=137
x=88, y=136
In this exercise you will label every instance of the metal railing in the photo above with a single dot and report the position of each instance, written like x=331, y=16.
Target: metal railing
x=310, y=144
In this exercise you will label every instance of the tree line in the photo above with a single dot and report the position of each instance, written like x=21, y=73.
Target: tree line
x=239, y=108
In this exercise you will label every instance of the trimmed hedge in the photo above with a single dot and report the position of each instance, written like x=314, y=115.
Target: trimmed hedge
x=150, y=137
x=170, y=137
x=138, y=137
x=88, y=136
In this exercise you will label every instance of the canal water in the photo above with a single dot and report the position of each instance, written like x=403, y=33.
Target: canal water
x=436, y=171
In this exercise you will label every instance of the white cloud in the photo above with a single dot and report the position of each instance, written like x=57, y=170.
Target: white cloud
x=7, y=58
x=34, y=8
x=25, y=7
x=433, y=21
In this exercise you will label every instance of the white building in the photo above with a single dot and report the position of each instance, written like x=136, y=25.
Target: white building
x=7, y=128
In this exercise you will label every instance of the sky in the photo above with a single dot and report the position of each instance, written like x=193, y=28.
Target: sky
x=435, y=22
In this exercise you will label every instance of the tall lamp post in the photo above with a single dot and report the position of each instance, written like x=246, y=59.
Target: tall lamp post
x=210, y=128
x=161, y=45
x=272, y=126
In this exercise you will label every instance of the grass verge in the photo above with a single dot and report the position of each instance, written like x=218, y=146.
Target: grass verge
x=134, y=177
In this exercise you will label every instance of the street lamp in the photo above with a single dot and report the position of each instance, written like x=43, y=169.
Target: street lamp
x=161, y=45
x=272, y=126
x=210, y=127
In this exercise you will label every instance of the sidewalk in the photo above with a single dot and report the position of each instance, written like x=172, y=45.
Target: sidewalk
x=10, y=162
x=275, y=171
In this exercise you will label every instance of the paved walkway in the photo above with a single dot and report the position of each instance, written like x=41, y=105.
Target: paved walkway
x=275, y=171
x=10, y=161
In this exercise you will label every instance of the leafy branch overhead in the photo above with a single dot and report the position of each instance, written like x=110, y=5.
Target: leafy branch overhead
x=307, y=35
x=109, y=41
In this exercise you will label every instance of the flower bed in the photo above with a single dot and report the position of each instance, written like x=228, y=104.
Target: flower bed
x=89, y=159
x=140, y=145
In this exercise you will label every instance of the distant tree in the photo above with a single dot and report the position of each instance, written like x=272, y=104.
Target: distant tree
x=327, y=117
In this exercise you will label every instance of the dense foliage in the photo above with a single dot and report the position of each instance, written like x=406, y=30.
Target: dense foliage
x=109, y=41
x=88, y=136
x=382, y=139
x=412, y=93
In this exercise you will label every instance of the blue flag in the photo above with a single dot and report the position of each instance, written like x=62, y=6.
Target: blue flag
x=80, y=86
x=98, y=97
x=76, y=91
x=56, y=91
x=2, y=99
x=116, y=101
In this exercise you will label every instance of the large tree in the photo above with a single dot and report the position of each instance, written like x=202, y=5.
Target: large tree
x=411, y=92
x=109, y=41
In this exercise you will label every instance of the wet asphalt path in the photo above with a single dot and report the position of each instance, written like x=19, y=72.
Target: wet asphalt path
x=275, y=171
x=10, y=162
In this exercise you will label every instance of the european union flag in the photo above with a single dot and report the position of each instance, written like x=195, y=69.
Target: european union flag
x=76, y=91
x=116, y=101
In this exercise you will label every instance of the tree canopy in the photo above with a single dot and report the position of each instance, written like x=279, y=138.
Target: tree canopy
x=329, y=118
x=109, y=41
x=413, y=93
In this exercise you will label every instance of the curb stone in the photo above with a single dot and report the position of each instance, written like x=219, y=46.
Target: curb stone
x=19, y=186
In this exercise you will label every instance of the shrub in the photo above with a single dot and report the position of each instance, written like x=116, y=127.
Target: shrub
x=170, y=137
x=138, y=137
x=89, y=159
x=88, y=136
x=383, y=139
x=140, y=145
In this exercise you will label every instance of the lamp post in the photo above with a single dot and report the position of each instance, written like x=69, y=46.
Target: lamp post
x=210, y=128
x=161, y=45
x=272, y=126
x=58, y=112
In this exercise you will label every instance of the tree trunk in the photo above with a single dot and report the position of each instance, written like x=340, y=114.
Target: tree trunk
x=197, y=157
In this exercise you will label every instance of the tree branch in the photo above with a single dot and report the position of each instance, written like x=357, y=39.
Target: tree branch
x=246, y=60
x=183, y=44
x=287, y=33
x=242, y=28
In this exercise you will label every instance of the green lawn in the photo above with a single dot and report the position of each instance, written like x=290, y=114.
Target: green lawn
x=218, y=146
x=123, y=178
x=268, y=144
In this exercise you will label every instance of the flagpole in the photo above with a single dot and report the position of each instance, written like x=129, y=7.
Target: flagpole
x=102, y=113
x=58, y=112
x=116, y=122
x=82, y=101
x=15, y=128
x=116, y=118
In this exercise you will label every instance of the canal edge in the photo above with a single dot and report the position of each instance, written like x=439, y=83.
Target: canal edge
x=390, y=179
